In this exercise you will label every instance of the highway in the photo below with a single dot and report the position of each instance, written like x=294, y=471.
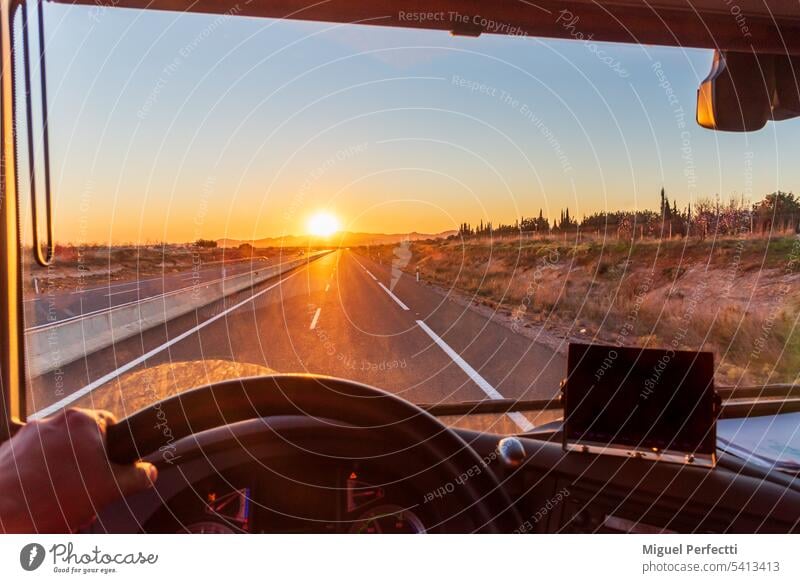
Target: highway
x=339, y=315
x=43, y=309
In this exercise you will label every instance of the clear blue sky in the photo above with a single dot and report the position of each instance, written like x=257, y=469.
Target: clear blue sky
x=171, y=126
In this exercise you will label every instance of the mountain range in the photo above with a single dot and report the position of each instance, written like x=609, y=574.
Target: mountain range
x=343, y=239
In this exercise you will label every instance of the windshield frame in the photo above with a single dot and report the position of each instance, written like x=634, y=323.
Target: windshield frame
x=12, y=357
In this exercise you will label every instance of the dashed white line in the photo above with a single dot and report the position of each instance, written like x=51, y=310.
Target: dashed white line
x=71, y=398
x=394, y=297
x=386, y=289
x=518, y=418
x=314, y=319
x=327, y=287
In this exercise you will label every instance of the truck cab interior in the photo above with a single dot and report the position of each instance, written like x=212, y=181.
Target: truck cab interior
x=297, y=451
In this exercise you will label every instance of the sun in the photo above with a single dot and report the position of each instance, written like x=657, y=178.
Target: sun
x=323, y=224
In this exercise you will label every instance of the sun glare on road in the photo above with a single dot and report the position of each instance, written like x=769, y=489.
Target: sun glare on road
x=323, y=225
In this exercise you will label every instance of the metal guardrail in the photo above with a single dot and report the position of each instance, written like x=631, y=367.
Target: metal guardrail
x=163, y=294
x=52, y=347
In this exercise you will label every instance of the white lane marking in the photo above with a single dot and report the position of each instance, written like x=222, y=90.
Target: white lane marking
x=394, y=297
x=475, y=376
x=71, y=398
x=359, y=263
x=327, y=287
x=386, y=289
x=125, y=291
x=314, y=319
x=521, y=421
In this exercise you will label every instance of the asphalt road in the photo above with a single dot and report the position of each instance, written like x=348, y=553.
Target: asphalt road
x=338, y=316
x=43, y=309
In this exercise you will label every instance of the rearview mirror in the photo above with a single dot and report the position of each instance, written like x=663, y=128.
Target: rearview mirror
x=745, y=90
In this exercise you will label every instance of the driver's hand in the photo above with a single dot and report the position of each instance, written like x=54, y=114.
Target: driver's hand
x=55, y=474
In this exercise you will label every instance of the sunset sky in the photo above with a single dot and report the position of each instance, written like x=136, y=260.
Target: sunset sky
x=172, y=127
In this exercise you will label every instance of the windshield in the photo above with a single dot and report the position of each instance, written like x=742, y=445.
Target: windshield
x=438, y=216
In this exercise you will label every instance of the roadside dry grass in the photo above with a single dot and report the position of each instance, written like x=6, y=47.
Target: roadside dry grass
x=737, y=297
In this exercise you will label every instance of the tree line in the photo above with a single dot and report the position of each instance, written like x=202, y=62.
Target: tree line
x=778, y=212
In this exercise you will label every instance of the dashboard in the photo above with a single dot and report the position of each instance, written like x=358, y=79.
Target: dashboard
x=290, y=498
x=293, y=475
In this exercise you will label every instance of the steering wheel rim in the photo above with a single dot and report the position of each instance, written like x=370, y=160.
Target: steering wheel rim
x=352, y=403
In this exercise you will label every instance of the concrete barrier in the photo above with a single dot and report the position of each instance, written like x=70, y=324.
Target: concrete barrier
x=49, y=348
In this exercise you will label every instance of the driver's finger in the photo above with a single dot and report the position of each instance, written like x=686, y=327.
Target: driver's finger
x=101, y=417
x=135, y=477
x=104, y=418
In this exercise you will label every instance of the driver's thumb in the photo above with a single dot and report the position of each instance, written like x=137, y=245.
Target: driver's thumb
x=136, y=477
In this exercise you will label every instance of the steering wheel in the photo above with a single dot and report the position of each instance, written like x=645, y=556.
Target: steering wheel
x=476, y=494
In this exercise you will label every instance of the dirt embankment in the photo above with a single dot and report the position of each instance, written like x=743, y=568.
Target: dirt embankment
x=737, y=297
